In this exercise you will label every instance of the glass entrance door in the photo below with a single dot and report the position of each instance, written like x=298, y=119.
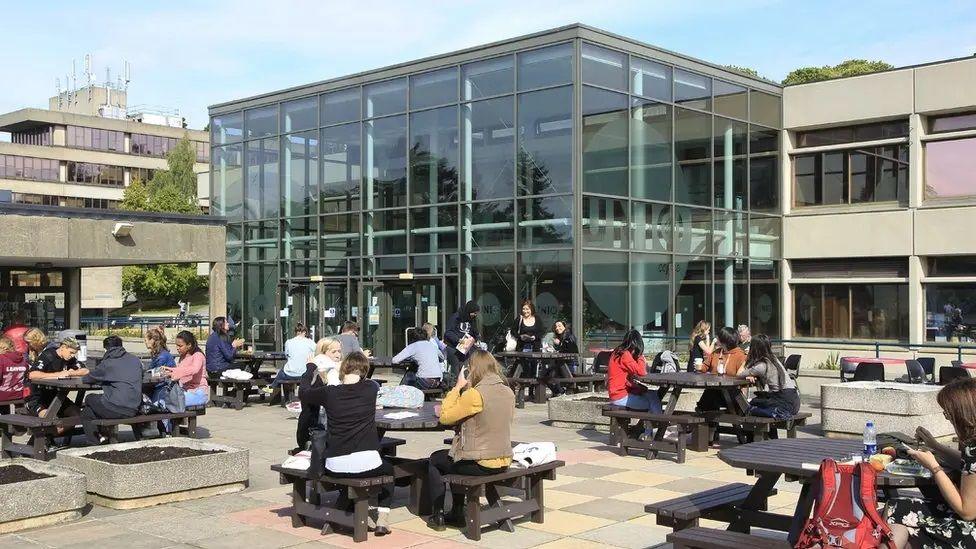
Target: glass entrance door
x=392, y=308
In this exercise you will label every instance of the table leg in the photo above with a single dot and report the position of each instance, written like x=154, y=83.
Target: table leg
x=803, y=506
x=56, y=403
x=755, y=501
x=731, y=406
x=673, y=401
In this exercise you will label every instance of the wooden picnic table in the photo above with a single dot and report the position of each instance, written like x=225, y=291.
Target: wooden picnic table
x=251, y=361
x=675, y=382
x=79, y=386
x=540, y=382
x=771, y=459
x=425, y=420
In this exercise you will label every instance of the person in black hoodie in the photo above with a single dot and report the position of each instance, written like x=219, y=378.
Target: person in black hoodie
x=120, y=374
x=461, y=329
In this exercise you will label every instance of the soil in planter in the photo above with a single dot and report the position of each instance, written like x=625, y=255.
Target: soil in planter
x=18, y=473
x=148, y=454
x=595, y=399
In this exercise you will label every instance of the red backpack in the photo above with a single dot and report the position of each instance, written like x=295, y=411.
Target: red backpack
x=846, y=514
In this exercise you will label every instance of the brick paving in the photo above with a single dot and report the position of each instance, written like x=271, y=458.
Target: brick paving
x=597, y=500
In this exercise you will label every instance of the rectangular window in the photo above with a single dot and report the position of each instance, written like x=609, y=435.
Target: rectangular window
x=25, y=167
x=488, y=78
x=952, y=123
x=604, y=142
x=93, y=138
x=950, y=312
x=431, y=89
x=871, y=312
x=549, y=66
x=95, y=174
x=862, y=175
x=545, y=147
x=853, y=134
x=950, y=168
x=152, y=145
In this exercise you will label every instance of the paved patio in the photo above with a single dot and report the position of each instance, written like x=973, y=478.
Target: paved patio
x=597, y=500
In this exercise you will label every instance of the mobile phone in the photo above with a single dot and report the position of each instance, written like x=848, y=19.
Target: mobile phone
x=464, y=372
x=907, y=447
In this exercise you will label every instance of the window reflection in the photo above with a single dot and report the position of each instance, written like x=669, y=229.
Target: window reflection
x=341, y=168
x=488, y=225
x=692, y=150
x=383, y=98
x=434, y=156
x=693, y=293
x=650, y=79
x=731, y=100
x=651, y=223
x=545, y=154
x=546, y=278
x=301, y=174
x=488, y=78
x=262, y=193
x=692, y=90
x=763, y=169
x=605, y=302
x=604, y=142
x=25, y=167
x=226, y=128
x=730, y=164
x=261, y=122
x=94, y=138
x=949, y=168
x=650, y=293
x=385, y=162
x=340, y=106
x=549, y=66
x=227, y=189
x=546, y=220
x=604, y=67
x=489, y=138
x=434, y=229
x=300, y=114
x=604, y=222
x=433, y=88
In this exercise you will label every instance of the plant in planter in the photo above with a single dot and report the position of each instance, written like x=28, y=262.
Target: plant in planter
x=832, y=362
x=36, y=493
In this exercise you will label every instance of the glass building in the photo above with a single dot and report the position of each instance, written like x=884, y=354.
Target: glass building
x=614, y=184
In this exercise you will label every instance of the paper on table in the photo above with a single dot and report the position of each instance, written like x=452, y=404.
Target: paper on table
x=400, y=415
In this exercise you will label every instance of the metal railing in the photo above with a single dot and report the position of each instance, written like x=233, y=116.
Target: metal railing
x=142, y=324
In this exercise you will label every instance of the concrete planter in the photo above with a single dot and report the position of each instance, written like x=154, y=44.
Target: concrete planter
x=41, y=502
x=810, y=380
x=902, y=407
x=585, y=410
x=154, y=483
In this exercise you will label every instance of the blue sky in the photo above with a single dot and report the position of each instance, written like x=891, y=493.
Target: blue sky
x=189, y=55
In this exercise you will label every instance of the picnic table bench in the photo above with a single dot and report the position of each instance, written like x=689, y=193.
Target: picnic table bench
x=541, y=384
x=756, y=427
x=520, y=382
x=619, y=436
x=714, y=504
x=11, y=406
x=234, y=392
x=709, y=538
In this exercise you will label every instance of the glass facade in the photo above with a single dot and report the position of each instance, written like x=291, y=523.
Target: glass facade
x=612, y=190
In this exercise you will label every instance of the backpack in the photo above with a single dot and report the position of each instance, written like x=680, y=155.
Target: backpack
x=846, y=514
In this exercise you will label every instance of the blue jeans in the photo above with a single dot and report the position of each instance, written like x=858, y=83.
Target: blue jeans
x=194, y=397
x=282, y=376
x=647, y=401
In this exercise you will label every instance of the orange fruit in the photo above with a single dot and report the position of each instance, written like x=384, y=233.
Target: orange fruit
x=878, y=466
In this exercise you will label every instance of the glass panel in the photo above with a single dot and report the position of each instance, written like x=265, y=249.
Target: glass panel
x=763, y=169
x=650, y=293
x=545, y=67
x=385, y=162
x=434, y=229
x=235, y=294
x=489, y=225
x=341, y=168
x=650, y=79
x=340, y=106
x=692, y=293
x=950, y=312
x=227, y=192
x=879, y=174
x=261, y=122
x=604, y=298
x=545, y=154
x=806, y=170
x=434, y=156
x=764, y=298
x=949, y=168
x=340, y=240
x=384, y=98
x=385, y=233
x=261, y=241
x=493, y=288
x=879, y=311
x=434, y=88
x=651, y=223
x=730, y=233
x=764, y=236
x=300, y=114
x=489, y=151
x=731, y=100
x=692, y=150
x=952, y=123
x=488, y=78
x=851, y=134
x=604, y=222
x=730, y=164
x=836, y=322
x=300, y=238
x=765, y=109
x=544, y=221
x=731, y=292
x=693, y=231
x=834, y=178
x=808, y=310
x=604, y=142
x=603, y=67
x=235, y=242
x=226, y=128
x=952, y=265
x=262, y=192
x=546, y=278
x=692, y=90
x=261, y=311
x=301, y=170
x=650, y=150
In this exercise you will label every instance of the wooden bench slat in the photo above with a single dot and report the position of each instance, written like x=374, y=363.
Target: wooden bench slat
x=693, y=506
x=511, y=472
x=708, y=538
x=648, y=416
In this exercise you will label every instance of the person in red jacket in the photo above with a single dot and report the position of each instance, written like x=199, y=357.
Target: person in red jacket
x=15, y=332
x=627, y=362
x=13, y=365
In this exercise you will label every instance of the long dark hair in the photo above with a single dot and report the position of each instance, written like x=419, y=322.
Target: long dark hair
x=633, y=343
x=728, y=338
x=191, y=340
x=217, y=325
x=761, y=350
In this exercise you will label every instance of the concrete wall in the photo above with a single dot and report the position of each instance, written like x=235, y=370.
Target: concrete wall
x=851, y=100
x=946, y=86
x=101, y=288
x=867, y=234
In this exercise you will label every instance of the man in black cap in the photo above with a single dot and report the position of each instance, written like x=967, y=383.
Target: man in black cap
x=120, y=374
x=461, y=335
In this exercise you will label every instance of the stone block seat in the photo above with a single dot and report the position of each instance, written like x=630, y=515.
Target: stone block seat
x=892, y=406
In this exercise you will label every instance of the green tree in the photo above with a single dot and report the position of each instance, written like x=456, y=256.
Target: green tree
x=745, y=70
x=173, y=190
x=851, y=67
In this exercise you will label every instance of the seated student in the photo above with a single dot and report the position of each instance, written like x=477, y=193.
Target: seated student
x=947, y=519
x=159, y=355
x=352, y=447
x=327, y=362
x=36, y=343
x=349, y=337
x=428, y=358
x=563, y=341
x=327, y=359
x=16, y=330
x=191, y=370
x=13, y=366
x=626, y=363
x=54, y=363
x=726, y=356
x=220, y=352
x=481, y=407
x=781, y=399
x=120, y=375
x=299, y=351
x=432, y=335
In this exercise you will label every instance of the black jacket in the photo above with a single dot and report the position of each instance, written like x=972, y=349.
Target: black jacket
x=567, y=343
x=460, y=323
x=534, y=334
x=351, y=410
x=120, y=374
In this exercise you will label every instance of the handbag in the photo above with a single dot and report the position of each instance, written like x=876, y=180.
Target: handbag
x=169, y=396
x=318, y=440
x=511, y=344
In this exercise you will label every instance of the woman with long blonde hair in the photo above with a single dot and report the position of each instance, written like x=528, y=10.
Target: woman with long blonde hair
x=36, y=342
x=702, y=345
x=158, y=352
x=480, y=407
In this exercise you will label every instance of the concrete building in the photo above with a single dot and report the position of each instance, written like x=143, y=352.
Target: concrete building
x=46, y=249
x=615, y=184
x=82, y=153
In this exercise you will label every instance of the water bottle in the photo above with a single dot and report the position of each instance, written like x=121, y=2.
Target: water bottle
x=721, y=367
x=870, y=440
